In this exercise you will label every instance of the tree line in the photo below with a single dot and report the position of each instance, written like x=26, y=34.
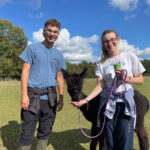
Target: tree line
x=13, y=41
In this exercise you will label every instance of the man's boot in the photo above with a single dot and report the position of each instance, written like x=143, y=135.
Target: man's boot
x=41, y=144
x=24, y=147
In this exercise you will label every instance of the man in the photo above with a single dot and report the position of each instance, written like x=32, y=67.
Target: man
x=41, y=73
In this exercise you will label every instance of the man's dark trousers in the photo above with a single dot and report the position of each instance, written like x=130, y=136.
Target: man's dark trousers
x=45, y=117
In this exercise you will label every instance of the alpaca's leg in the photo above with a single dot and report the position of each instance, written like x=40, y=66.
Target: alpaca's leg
x=102, y=142
x=94, y=141
x=142, y=135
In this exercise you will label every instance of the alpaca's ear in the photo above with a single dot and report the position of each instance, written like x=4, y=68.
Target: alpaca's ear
x=83, y=73
x=65, y=74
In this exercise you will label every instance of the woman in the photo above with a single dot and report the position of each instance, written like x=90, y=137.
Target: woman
x=119, y=107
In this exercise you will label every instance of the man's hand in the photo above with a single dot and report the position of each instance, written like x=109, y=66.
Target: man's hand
x=25, y=102
x=60, y=103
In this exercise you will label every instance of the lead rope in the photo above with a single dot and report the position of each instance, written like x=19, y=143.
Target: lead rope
x=109, y=94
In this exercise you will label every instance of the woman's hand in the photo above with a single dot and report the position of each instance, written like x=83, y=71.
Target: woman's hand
x=131, y=80
x=122, y=74
x=79, y=104
x=118, y=71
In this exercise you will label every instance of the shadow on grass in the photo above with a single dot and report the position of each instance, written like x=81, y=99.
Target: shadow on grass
x=66, y=140
x=10, y=134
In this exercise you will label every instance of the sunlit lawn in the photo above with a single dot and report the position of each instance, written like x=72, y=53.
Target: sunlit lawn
x=66, y=133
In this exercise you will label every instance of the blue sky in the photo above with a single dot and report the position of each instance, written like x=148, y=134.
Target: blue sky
x=83, y=22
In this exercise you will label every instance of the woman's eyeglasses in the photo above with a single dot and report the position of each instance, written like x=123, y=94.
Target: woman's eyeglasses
x=111, y=40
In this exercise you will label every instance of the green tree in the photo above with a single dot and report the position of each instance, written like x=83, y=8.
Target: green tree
x=146, y=64
x=90, y=66
x=72, y=68
x=12, y=42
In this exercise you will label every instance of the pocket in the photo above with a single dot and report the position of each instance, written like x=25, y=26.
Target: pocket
x=52, y=95
x=27, y=115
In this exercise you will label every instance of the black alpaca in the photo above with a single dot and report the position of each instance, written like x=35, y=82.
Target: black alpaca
x=74, y=87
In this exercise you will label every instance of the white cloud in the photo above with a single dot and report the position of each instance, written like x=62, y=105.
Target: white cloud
x=3, y=2
x=124, y=5
x=147, y=11
x=148, y=2
x=29, y=42
x=35, y=4
x=39, y=15
x=124, y=46
x=128, y=17
x=77, y=48
x=38, y=36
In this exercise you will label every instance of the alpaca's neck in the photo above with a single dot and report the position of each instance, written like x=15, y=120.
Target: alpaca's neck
x=83, y=95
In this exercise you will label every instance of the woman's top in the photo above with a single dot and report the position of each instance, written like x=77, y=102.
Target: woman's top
x=106, y=71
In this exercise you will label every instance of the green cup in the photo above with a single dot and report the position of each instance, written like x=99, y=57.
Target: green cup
x=117, y=66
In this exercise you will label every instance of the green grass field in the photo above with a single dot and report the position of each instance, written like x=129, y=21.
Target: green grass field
x=66, y=133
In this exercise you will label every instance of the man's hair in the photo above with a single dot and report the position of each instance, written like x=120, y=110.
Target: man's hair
x=52, y=22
